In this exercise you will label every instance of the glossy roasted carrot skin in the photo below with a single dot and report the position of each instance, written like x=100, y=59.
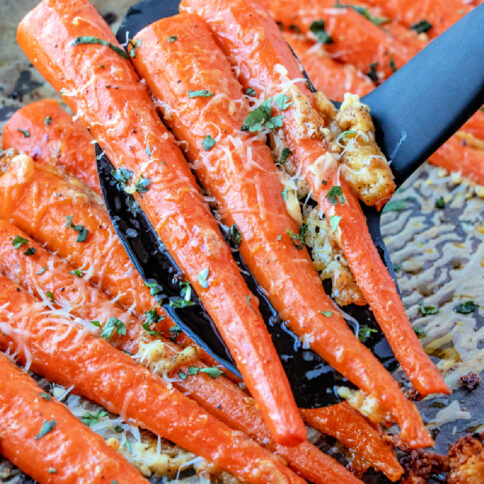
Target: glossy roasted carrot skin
x=337, y=78
x=257, y=67
x=475, y=125
x=62, y=352
x=43, y=272
x=356, y=433
x=69, y=452
x=240, y=173
x=122, y=118
x=54, y=138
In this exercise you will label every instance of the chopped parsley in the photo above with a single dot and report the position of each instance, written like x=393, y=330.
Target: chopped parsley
x=88, y=39
x=466, y=307
x=81, y=231
x=48, y=120
x=172, y=38
x=397, y=205
x=393, y=66
x=175, y=331
x=96, y=323
x=152, y=316
x=208, y=143
x=328, y=314
x=202, y=278
x=90, y=419
x=420, y=333
x=142, y=184
x=343, y=135
x=194, y=370
x=123, y=175
x=77, y=273
x=24, y=132
x=250, y=92
x=50, y=295
x=148, y=150
x=335, y=194
x=426, y=310
x=45, y=396
x=113, y=324
x=299, y=238
x=235, y=235
x=200, y=93
x=366, y=13
x=18, y=241
x=186, y=296
x=52, y=470
x=41, y=271
x=153, y=287
x=29, y=251
x=334, y=221
x=421, y=27
x=46, y=428
x=286, y=152
x=365, y=333
x=372, y=73
x=285, y=192
x=261, y=117
x=134, y=44
x=149, y=330
x=318, y=29
x=440, y=202
x=282, y=101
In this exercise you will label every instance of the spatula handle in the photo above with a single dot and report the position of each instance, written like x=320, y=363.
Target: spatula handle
x=426, y=101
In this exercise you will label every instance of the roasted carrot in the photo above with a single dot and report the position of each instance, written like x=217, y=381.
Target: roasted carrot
x=54, y=138
x=353, y=38
x=47, y=442
x=356, y=433
x=62, y=352
x=438, y=14
x=270, y=65
x=475, y=125
x=465, y=160
x=43, y=273
x=240, y=173
x=337, y=78
x=58, y=40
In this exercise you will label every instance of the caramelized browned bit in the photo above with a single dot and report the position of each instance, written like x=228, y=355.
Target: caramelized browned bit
x=413, y=394
x=466, y=461
x=419, y=466
x=470, y=381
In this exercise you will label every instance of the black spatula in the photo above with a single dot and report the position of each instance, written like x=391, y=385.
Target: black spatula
x=415, y=111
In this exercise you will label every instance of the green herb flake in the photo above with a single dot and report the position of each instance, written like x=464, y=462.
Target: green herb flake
x=335, y=194
x=328, y=314
x=113, y=324
x=29, y=251
x=344, y=134
x=46, y=428
x=440, y=203
x=153, y=287
x=235, y=235
x=286, y=152
x=148, y=150
x=149, y=330
x=200, y=93
x=152, y=316
x=318, y=29
x=397, y=205
x=88, y=39
x=45, y=396
x=52, y=470
x=393, y=66
x=24, y=132
x=366, y=13
x=172, y=38
x=202, y=278
x=77, y=273
x=142, y=184
x=208, y=143
x=285, y=193
x=18, y=241
x=420, y=333
x=466, y=307
x=426, y=310
x=282, y=101
x=261, y=117
x=134, y=44
x=81, y=232
x=96, y=323
x=68, y=221
x=48, y=120
x=372, y=73
x=50, y=295
x=212, y=371
x=421, y=27
x=182, y=375
x=334, y=221
x=90, y=419
x=299, y=238
x=365, y=333
x=41, y=271
x=250, y=92
x=122, y=175
x=175, y=331
x=118, y=429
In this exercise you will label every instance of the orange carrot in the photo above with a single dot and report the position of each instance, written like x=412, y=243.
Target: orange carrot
x=335, y=78
x=47, y=442
x=475, y=125
x=62, y=352
x=266, y=67
x=58, y=40
x=354, y=39
x=240, y=173
x=43, y=273
x=356, y=433
x=54, y=138
x=441, y=14
x=462, y=159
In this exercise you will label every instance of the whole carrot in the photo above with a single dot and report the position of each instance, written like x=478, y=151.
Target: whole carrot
x=43, y=273
x=58, y=38
x=47, y=133
x=335, y=77
x=47, y=442
x=62, y=352
x=238, y=170
x=270, y=65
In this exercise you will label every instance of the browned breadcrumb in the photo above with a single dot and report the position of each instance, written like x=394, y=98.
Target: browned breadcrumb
x=466, y=461
x=413, y=394
x=419, y=465
x=470, y=381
